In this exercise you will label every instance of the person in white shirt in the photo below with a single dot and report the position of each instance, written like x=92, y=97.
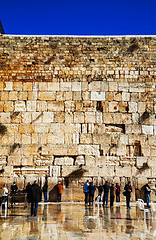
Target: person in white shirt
x=5, y=193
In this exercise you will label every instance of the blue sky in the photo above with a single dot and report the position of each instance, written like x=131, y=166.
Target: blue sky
x=79, y=17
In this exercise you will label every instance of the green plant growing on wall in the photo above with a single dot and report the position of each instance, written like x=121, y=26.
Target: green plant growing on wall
x=2, y=170
x=14, y=146
x=3, y=129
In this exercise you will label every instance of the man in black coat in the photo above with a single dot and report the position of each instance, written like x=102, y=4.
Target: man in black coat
x=128, y=189
x=36, y=196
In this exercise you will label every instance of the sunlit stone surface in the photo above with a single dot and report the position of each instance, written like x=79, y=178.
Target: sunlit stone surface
x=74, y=221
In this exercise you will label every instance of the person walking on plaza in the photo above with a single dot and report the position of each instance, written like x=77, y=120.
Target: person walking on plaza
x=117, y=192
x=112, y=194
x=147, y=194
x=59, y=194
x=36, y=196
x=45, y=189
x=128, y=190
x=85, y=190
x=106, y=193
x=91, y=190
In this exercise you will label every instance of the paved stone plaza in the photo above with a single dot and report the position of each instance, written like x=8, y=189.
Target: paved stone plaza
x=74, y=221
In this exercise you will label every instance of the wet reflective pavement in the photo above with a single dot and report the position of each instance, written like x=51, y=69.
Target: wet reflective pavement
x=74, y=221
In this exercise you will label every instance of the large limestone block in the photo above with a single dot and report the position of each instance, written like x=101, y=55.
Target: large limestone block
x=23, y=96
x=13, y=96
x=101, y=160
x=91, y=171
x=3, y=160
x=26, y=128
x=113, y=106
x=43, y=86
x=59, y=117
x=40, y=128
x=76, y=86
x=27, y=86
x=65, y=86
x=108, y=118
x=77, y=96
x=56, y=106
x=41, y=106
x=14, y=160
x=32, y=96
x=148, y=130
x=88, y=150
x=90, y=160
x=76, y=138
x=72, y=150
x=94, y=86
x=26, y=117
x=98, y=96
x=68, y=138
x=153, y=172
x=106, y=171
x=121, y=150
x=37, y=117
x=125, y=96
x=153, y=151
x=27, y=161
x=123, y=171
x=102, y=138
x=151, y=161
x=54, y=171
x=47, y=96
x=20, y=106
x=141, y=172
x=152, y=140
x=55, y=138
x=66, y=170
x=5, y=118
x=86, y=138
x=67, y=128
x=26, y=138
x=132, y=107
x=4, y=150
x=55, y=127
x=58, y=150
x=8, y=171
x=8, y=86
x=48, y=117
x=80, y=160
x=64, y=161
x=1, y=86
x=30, y=149
x=113, y=86
x=78, y=117
x=140, y=161
x=4, y=96
x=69, y=117
x=53, y=86
x=31, y=106
x=69, y=106
x=7, y=139
x=89, y=117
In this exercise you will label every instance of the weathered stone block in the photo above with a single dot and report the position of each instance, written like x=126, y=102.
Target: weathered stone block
x=123, y=171
x=27, y=161
x=55, y=138
x=8, y=86
x=78, y=117
x=98, y=96
x=23, y=96
x=106, y=171
x=59, y=117
x=65, y=86
x=148, y=130
x=31, y=106
x=20, y=106
x=46, y=96
x=48, y=117
x=27, y=86
x=88, y=149
x=14, y=160
x=76, y=86
x=52, y=86
x=94, y=86
x=54, y=171
x=56, y=106
x=26, y=139
x=26, y=128
x=86, y=138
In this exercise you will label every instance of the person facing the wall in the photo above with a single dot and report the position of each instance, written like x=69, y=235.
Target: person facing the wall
x=117, y=192
x=45, y=189
x=112, y=194
x=59, y=194
x=36, y=196
x=85, y=190
x=106, y=193
x=91, y=190
x=128, y=190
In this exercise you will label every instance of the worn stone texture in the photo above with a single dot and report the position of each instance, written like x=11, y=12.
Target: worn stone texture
x=73, y=102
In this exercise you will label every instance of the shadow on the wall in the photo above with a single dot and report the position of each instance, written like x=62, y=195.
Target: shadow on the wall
x=140, y=193
x=53, y=194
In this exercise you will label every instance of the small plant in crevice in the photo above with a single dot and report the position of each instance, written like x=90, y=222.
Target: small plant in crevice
x=14, y=146
x=3, y=129
x=2, y=170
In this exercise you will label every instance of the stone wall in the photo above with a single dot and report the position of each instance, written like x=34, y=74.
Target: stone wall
x=77, y=108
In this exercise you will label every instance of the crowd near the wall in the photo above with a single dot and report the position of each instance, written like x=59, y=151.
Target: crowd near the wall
x=105, y=192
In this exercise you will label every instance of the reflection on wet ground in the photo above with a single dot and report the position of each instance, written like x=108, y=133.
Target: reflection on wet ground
x=74, y=221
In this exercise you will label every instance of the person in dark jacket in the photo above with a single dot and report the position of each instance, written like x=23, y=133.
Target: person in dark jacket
x=45, y=189
x=112, y=194
x=36, y=196
x=106, y=193
x=128, y=190
x=91, y=190
x=117, y=192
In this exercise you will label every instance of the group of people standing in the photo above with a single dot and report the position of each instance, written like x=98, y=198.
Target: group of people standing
x=104, y=191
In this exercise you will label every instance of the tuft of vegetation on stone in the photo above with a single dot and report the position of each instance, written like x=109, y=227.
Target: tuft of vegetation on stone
x=3, y=129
